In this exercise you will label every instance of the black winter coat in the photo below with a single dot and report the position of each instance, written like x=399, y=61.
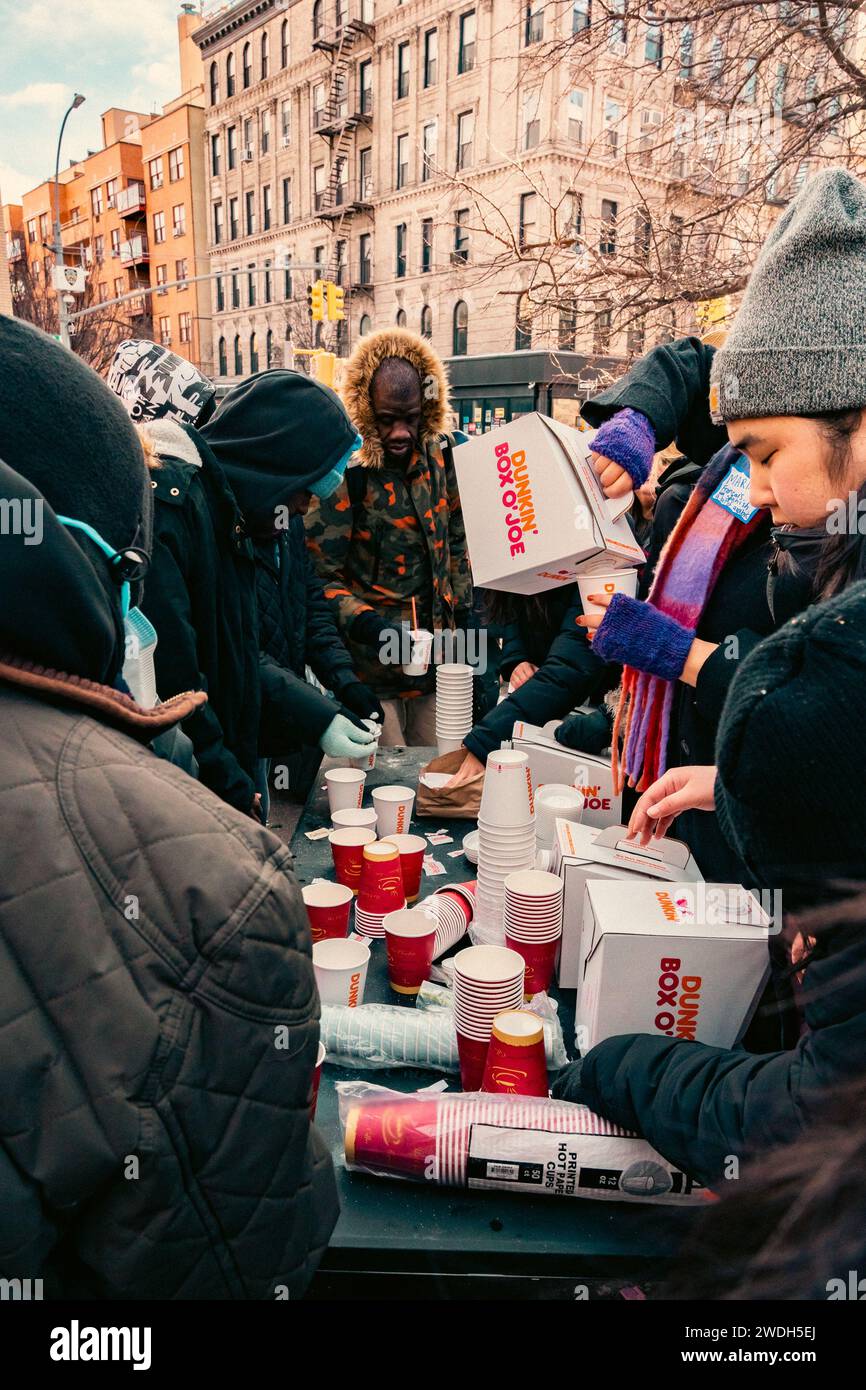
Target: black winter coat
x=296, y=629
x=699, y=1105
x=200, y=595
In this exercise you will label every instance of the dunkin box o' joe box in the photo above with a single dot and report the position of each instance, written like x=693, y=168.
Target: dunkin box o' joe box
x=533, y=509
x=677, y=960
x=550, y=761
x=582, y=852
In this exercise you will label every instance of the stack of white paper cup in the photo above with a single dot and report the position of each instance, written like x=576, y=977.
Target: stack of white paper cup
x=453, y=705
x=506, y=837
x=354, y=818
x=553, y=800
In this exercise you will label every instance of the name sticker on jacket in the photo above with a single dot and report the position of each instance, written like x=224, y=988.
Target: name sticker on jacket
x=732, y=493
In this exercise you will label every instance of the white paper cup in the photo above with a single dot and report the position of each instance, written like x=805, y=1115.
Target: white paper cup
x=614, y=582
x=355, y=818
x=553, y=800
x=393, y=810
x=340, y=967
x=345, y=787
x=422, y=647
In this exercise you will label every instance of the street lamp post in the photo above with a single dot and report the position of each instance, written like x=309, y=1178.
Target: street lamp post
x=62, y=307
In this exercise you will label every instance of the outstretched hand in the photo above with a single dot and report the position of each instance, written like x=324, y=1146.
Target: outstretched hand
x=681, y=789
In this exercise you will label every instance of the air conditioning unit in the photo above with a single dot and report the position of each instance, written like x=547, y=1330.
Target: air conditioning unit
x=115, y=250
x=179, y=231
x=247, y=156
x=287, y=140
x=157, y=183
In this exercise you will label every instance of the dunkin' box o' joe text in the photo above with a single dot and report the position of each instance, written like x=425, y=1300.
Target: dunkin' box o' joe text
x=533, y=508
x=583, y=852
x=550, y=761
x=676, y=960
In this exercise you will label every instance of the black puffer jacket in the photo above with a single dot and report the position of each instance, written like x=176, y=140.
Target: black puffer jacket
x=200, y=596
x=157, y=997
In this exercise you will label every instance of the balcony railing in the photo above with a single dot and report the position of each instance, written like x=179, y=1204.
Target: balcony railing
x=130, y=200
x=135, y=251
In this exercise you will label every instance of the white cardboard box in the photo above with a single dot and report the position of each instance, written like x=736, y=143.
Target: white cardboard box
x=549, y=761
x=677, y=960
x=580, y=853
x=533, y=508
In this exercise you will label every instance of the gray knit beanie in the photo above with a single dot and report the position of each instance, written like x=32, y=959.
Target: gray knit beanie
x=798, y=343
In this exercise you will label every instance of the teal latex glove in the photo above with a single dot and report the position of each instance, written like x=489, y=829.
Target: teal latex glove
x=343, y=739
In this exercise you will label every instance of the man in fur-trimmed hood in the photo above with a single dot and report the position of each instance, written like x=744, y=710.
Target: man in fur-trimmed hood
x=393, y=531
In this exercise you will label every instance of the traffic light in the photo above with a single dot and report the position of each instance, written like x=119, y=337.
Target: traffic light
x=316, y=300
x=336, y=302
x=323, y=367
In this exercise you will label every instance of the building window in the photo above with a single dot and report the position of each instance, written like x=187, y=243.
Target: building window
x=601, y=331
x=233, y=219
x=465, y=139
x=341, y=185
x=119, y=286
x=466, y=45
x=239, y=361
x=365, y=259
x=286, y=123
x=318, y=187
x=214, y=84
x=428, y=145
x=642, y=234
x=154, y=169
x=246, y=66
x=288, y=289
x=165, y=331
x=340, y=267
x=687, y=53
x=567, y=330
x=523, y=324
x=268, y=292
x=287, y=200
x=215, y=155
x=43, y=226
x=365, y=325
x=612, y=118
x=265, y=54
x=161, y=278
x=431, y=57
x=250, y=212
x=653, y=49
x=181, y=274
x=236, y=290
x=175, y=164
x=284, y=44
x=318, y=257
x=581, y=16
x=159, y=226
x=607, y=241
x=637, y=338
x=574, y=216
x=460, y=333
x=248, y=136
x=318, y=105
x=266, y=208
x=531, y=120
x=426, y=244
x=526, y=225
x=717, y=58
x=576, y=111
x=650, y=126
x=96, y=203
x=533, y=31
x=230, y=75
x=254, y=354
x=365, y=174
x=31, y=231
x=400, y=261
x=232, y=147
x=222, y=358
x=401, y=318
x=217, y=223
x=185, y=325
x=111, y=190
x=426, y=321
x=219, y=286
x=402, y=71
x=317, y=20
x=178, y=219
x=618, y=35
x=269, y=349
x=251, y=286
x=115, y=241
x=461, y=236
x=402, y=161
x=99, y=249
x=365, y=87
x=265, y=139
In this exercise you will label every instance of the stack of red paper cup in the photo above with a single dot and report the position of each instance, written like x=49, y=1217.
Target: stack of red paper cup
x=506, y=833
x=487, y=980
x=412, y=851
x=452, y=914
x=347, y=848
x=381, y=888
x=533, y=923
x=410, y=937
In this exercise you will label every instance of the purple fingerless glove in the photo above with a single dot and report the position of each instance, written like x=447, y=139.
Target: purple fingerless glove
x=628, y=439
x=637, y=634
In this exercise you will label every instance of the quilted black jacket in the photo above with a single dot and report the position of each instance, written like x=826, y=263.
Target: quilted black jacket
x=296, y=629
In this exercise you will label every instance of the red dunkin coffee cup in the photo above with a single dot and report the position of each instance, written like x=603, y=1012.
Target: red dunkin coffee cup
x=347, y=848
x=412, y=850
x=516, y=1061
x=393, y=1138
x=317, y=1076
x=410, y=937
x=473, y=1055
x=381, y=887
x=327, y=907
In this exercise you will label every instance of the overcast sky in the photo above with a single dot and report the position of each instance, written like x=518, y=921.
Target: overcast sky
x=116, y=52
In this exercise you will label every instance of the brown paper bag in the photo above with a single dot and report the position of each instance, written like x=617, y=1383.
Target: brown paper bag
x=463, y=803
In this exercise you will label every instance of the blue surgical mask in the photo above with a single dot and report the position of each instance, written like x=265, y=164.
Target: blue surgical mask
x=332, y=479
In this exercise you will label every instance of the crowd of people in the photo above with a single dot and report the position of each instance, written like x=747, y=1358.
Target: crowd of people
x=213, y=592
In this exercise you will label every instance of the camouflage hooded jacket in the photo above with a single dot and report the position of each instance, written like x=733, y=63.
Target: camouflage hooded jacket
x=404, y=538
